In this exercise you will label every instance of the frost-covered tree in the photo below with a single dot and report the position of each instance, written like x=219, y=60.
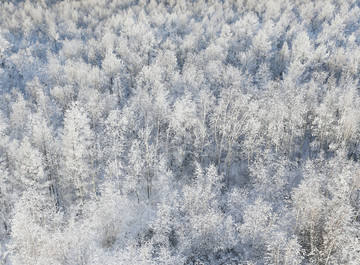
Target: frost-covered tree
x=6, y=200
x=77, y=175
x=34, y=222
x=210, y=230
x=29, y=169
x=18, y=115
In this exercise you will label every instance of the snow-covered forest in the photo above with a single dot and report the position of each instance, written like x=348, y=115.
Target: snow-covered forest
x=180, y=132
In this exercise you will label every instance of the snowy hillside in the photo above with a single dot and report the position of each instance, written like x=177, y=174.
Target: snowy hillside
x=180, y=132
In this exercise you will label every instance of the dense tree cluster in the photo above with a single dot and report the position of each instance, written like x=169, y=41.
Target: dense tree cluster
x=180, y=132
